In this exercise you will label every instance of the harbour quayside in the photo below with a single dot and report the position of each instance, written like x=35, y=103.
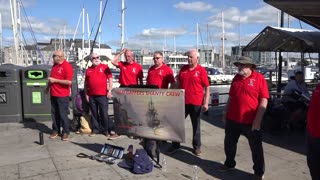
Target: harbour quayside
x=60, y=160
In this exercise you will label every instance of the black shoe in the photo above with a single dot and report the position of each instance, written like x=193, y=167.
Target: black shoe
x=197, y=152
x=224, y=168
x=258, y=177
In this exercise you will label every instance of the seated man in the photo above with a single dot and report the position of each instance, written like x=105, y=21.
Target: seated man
x=292, y=92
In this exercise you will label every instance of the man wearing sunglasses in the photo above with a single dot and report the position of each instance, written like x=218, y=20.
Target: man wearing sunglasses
x=130, y=70
x=160, y=74
x=60, y=81
x=98, y=93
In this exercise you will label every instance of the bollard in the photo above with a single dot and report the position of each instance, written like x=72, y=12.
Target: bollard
x=41, y=138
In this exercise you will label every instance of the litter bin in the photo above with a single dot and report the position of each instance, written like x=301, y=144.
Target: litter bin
x=10, y=93
x=36, y=103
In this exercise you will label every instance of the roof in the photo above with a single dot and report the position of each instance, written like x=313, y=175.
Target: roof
x=307, y=11
x=285, y=40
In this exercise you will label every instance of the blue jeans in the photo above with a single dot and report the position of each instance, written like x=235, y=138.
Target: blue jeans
x=233, y=130
x=99, y=113
x=194, y=112
x=313, y=156
x=59, y=114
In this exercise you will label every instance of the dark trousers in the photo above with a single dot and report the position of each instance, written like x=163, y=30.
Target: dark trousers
x=313, y=157
x=99, y=113
x=233, y=131
x=194, y=112
x=59, y=114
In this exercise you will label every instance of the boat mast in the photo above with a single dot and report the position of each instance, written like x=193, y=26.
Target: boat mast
x=100, y=26
x=197, y=36
x=13, y=5
x=1, y=57
x=239, y=37
x=174, y=45
x=223, y=38
x=89, y=33
x=122, y=24
x=83, y=18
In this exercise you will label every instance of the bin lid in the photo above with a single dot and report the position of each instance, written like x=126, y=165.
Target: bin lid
x=9, y=72
x=10, y=66
x=36, y=72
x=39, y=67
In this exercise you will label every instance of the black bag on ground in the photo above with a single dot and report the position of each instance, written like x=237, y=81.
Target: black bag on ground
x=152, y=148
x=141, y=163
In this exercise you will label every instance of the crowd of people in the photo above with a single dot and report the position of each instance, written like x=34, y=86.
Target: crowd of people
x=243, y=113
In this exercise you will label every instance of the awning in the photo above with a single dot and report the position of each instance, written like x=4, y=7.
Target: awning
x=285, y=40
x=307, y=11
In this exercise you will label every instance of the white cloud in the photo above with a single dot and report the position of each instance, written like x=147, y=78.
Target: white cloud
x=263, y=15
x=39, y=27
x=155, y=38
x=161, y=33
x=52, y=26
x=196, y=6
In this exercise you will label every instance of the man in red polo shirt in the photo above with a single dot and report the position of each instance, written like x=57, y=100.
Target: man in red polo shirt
x=313, y=134
x=193, y=78
x=98, y=93
x=248, y=99
x=160, y=74
x=130, y=70
x=60, y=81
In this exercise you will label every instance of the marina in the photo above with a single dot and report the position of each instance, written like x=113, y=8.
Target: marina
x=28, y=152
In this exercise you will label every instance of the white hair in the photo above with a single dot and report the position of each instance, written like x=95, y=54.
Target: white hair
x=198, y=54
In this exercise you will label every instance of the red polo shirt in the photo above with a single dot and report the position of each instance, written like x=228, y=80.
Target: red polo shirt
x=313, y=118
x=61, y=71
x=160, y=77
x=96, y=79
x=245, y=97
x=193, y=82
x=129, y=73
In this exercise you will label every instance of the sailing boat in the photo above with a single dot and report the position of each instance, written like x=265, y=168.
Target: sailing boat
x=152, y=116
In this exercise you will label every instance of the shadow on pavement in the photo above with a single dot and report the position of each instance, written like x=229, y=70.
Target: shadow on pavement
x=208, y=166
x=41, y=127
x=293, y=141
x=95, y=147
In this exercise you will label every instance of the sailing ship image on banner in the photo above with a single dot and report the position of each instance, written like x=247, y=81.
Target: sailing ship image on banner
x=150, y=113
x=152, y=116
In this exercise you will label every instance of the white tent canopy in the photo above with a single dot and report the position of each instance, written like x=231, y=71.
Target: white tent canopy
x=285, y=40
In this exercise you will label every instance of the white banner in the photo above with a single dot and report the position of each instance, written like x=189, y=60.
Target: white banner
x=150, y=113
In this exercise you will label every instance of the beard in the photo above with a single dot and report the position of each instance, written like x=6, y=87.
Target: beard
x=242, y=72
x=95, y=63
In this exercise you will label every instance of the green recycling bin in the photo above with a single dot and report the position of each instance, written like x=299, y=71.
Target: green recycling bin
x=36, y=103
x=10, y=93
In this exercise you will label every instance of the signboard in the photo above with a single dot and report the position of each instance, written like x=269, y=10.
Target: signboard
x=3, y=98
x=215, y=99
x=150, y=113
x=36, y=97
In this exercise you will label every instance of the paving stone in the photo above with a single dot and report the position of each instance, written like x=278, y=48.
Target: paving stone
x=38, y=167
x=9, y=172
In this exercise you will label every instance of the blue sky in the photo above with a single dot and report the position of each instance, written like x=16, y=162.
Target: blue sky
x=150, y=24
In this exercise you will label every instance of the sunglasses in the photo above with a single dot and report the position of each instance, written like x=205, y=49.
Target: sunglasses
x=53, y=56
x=156, y=58
x=95, y=57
